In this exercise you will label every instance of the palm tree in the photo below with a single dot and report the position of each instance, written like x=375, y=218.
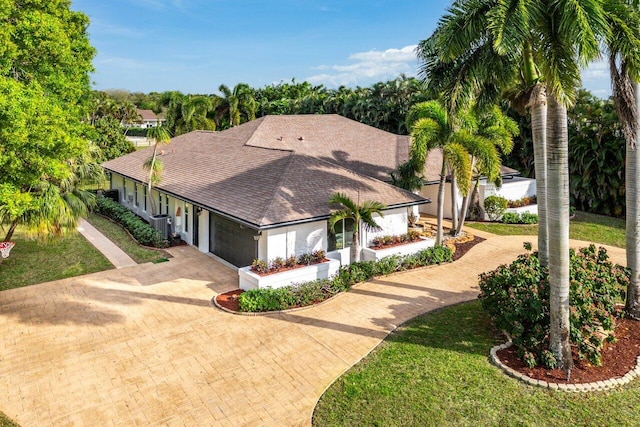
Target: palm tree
x=359, y=213
x=236, y=104
x=624, y=63
x=495, y=132
x=432, y=127
x=492, y=55
x=153, y=165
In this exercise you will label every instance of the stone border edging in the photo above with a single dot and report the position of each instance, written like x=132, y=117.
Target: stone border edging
x=574, y=388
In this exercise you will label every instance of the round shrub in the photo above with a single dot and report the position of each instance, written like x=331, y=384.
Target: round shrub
x=495, y=206
x=516, y=296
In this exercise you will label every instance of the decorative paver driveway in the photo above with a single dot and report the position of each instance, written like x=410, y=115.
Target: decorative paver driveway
x=143, y=346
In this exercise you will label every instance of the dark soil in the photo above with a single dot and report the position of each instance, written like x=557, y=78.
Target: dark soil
x=229, y=300
x=618, y=358
x=463, y=248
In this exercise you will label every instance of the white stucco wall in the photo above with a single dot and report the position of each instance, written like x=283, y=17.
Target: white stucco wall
x=393, y=222
x=431, y=191
x=293, y=240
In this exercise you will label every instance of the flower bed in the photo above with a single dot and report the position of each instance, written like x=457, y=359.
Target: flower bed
x=279, y=264
x=277, y=279
x=383, y=242
x=375, y=254
x=525, y=201
x=302, y=294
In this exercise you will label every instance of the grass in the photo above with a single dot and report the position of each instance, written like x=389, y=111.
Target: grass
x=6, y=421
x=434, y=370
x=38, y=261
x=124, y=241
x=585, y=226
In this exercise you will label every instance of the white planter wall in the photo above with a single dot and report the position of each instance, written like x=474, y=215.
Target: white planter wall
x=369, y=254
x=251, y=280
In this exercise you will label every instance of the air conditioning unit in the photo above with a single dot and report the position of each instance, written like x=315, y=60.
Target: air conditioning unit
x=161, y=223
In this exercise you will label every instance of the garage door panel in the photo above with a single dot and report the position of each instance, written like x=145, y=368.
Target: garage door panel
x=232, y=242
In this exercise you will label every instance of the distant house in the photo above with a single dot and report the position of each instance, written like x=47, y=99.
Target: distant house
x=260, y=190
x=147, y=119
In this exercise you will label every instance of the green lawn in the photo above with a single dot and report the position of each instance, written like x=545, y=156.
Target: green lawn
x=434, y=371
x=124, y=241
x=585, y=226
x=6, y=421
x=38, y=261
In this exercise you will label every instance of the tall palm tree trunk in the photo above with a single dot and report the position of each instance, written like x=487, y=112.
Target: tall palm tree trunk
x=538, y=110
x=150, y=180
x=465, y=202
x=632, y=185
x=355, y=245
x=454, y=204
x=440, y=215
x=558, y=215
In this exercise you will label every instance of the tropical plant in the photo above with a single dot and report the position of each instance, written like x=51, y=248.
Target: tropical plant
x=552, y=40
x=186, y=113
x=624, y=21
x=433, y=127
x=495, y=206
x=153, y=165
x=237, y=105
x=361, y=214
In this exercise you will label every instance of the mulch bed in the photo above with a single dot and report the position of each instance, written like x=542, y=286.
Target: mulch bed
x=618, y=358
x=463, y=248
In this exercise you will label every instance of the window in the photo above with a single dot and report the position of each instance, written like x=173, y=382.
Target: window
x=166, y=204
x=159, y=203
x=342, y=236
x=135, y=195
x=145, y=199
x=124, y=189
x=186, y=218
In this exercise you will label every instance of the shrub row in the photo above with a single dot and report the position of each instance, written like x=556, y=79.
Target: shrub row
x=307, y=293
x=263, y=267
x=411, y=236
x=516, y=297
x=139, y=229
x=519, y=218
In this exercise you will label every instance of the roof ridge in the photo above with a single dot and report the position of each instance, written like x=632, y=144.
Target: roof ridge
x=277, y=187
x=258, y=122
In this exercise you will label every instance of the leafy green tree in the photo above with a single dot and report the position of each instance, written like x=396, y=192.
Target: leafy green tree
x=106, y=133
x=153, y=165
x=186, y=113
x=359, y=213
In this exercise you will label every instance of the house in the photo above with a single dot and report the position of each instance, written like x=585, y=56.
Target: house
x=147, y=119
x=513, y=187
x=260, y=190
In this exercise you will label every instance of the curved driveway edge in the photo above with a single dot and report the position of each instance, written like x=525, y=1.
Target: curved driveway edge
x=143, y=346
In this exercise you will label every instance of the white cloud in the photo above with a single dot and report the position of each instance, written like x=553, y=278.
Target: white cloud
x=367, y=67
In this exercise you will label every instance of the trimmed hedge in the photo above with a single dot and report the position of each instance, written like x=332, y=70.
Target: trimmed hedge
x=307, y=293
x=519, y=218
x=139, y=229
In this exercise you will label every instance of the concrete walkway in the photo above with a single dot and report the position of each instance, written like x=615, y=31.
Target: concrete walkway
x=114, y=254
x=142, y=345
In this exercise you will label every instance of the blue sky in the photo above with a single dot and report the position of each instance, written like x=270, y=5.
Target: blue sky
x=196, y=45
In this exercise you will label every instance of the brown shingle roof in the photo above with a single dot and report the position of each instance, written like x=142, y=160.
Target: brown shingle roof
x=247, y=173
x=146, y=114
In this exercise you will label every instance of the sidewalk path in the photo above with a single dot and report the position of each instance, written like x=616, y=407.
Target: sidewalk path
x=118, y=258
x=142, y=346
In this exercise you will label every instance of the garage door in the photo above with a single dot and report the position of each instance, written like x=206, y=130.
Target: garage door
x=231, y=241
